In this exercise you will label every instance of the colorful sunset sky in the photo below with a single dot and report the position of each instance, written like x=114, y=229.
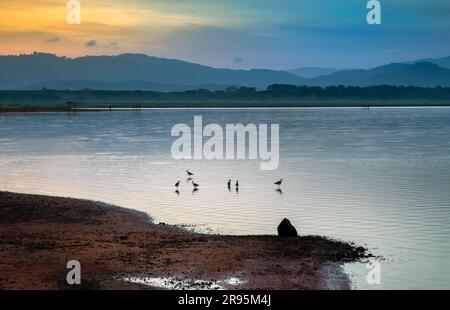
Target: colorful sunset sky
x=278, y=34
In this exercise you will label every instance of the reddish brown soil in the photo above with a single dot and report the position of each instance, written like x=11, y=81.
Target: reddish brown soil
x=40, y=234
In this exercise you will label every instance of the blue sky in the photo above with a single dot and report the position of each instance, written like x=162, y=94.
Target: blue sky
x=277, y=34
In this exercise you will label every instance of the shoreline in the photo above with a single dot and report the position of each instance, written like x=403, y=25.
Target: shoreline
x=114, y=107
x=40, y=234
x=4, y=110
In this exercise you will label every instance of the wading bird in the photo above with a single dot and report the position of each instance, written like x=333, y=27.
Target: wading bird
x=279, y=182
x=177, y=184
x=189, y=173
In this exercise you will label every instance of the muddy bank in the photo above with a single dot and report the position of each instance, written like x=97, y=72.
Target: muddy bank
x=121, y=249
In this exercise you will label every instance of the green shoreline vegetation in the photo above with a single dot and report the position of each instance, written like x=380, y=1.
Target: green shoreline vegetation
x=277, y=95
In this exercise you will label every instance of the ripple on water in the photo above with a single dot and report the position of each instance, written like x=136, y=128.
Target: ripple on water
x=379, y=177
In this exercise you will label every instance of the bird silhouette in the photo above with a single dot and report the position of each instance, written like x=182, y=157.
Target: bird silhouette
x=195, y=184
x=177, y=184
x=279, y=182
x=189, y=173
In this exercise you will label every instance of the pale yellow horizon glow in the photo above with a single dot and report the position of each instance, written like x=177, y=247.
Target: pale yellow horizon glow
x=40, y=25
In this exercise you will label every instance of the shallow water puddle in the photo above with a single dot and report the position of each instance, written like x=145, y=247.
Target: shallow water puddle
x=174, y=283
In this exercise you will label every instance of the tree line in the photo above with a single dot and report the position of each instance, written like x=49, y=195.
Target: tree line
x=273, y=93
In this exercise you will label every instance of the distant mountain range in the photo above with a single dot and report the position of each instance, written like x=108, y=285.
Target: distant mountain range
x=120, y=85
x=425, y=74
x=142, y=72
x=27, y=71
x=442, y=62
x=312, y=72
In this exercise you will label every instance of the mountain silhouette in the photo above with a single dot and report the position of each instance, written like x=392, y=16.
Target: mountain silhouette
x=120, y=85
x=142, y=72
x=423, y=74
x=21, y=71
x=442, y=62
x=312, y=72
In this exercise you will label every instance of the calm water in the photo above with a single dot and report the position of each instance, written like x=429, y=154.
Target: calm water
x=379, y=177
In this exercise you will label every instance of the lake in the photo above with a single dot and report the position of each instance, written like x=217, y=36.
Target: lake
x=378, y=177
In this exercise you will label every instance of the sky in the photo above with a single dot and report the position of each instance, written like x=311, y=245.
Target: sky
x=240, y=34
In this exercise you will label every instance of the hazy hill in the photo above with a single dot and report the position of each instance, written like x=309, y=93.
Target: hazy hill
x=311, y=72
x=416, y=74
x=419, y=74
x=21, y=71
x=442, y=62
x=141, y=72
x=120, y=85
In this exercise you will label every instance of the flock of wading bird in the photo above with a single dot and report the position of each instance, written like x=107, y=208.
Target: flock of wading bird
x=195, y=186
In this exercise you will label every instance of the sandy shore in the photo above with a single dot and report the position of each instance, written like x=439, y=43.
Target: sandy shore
x=40, y=234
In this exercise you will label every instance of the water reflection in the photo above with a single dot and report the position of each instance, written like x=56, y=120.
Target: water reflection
x=175, y=283
x=380, y=178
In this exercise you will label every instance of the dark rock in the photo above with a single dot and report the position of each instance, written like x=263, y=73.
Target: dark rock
x=286, y=229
